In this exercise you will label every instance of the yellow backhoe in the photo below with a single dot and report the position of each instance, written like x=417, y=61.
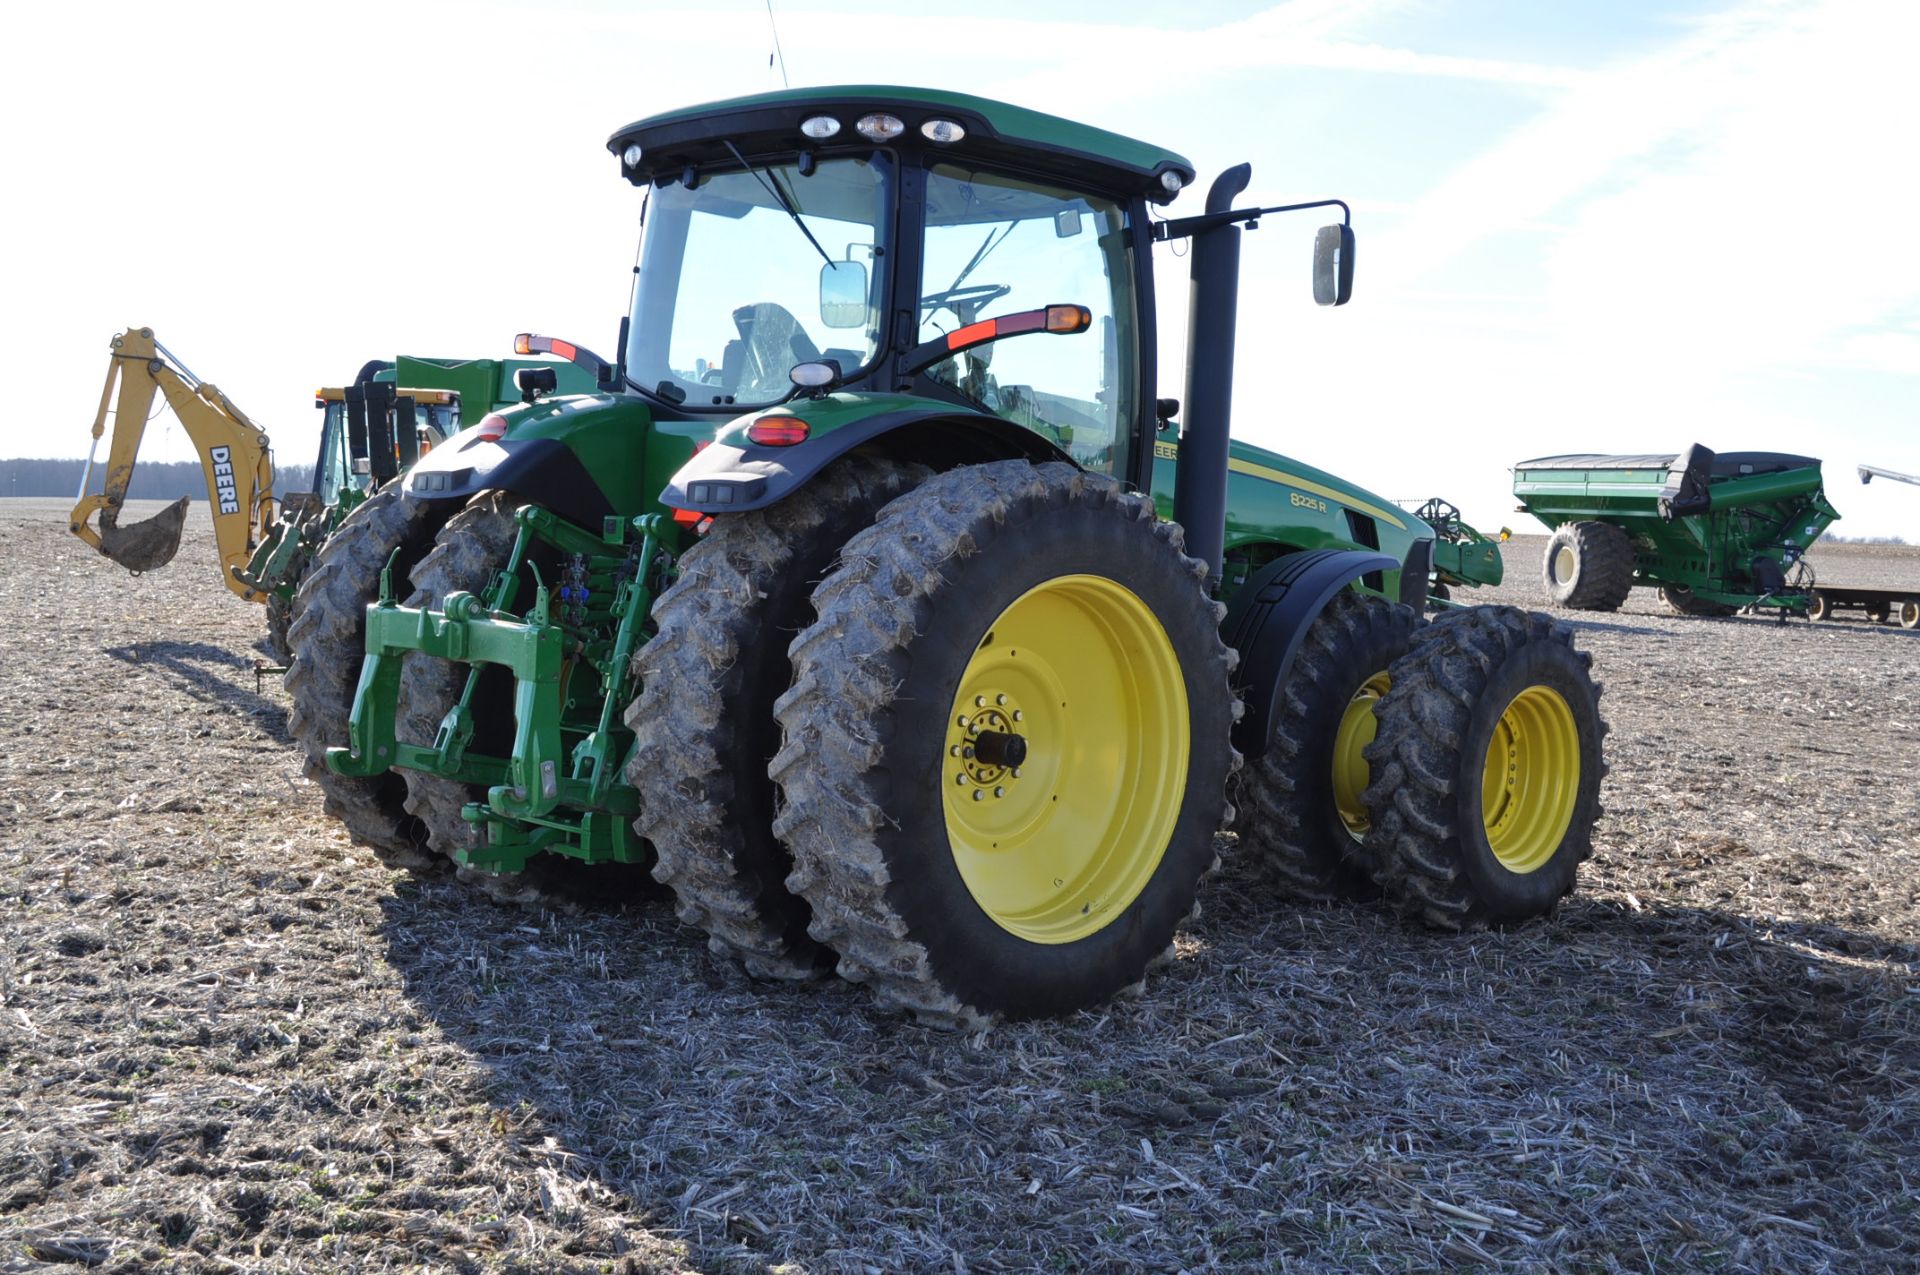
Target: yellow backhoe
x=234, y=452
x=373, y=432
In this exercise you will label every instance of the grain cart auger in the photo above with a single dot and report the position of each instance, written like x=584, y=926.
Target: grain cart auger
x=1714, y=533
x=874, y=600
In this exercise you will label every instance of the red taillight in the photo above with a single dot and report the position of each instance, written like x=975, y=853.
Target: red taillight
x=687, y=517
x=491, y=429
x=778, y=431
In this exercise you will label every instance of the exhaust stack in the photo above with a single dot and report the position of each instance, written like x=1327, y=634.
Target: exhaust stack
x=1200, y=486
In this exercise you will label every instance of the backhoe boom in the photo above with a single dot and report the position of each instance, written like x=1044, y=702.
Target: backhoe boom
x=234, y=454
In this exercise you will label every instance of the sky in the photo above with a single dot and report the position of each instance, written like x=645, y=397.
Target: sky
x=1582, y=226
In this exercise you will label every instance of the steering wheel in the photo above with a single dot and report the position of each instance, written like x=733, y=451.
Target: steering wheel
x=974, y=295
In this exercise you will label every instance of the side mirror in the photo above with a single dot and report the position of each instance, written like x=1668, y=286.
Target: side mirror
x=843, y=294
x=1333, y=265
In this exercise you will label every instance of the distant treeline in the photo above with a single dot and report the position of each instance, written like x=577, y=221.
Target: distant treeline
x=1834, y=537
x=152, y=480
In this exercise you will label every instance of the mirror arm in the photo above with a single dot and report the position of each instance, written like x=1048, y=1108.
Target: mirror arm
x=1187, y=227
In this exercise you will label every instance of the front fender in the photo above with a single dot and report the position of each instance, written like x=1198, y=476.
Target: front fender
x=1269, y=616
x=735, y=474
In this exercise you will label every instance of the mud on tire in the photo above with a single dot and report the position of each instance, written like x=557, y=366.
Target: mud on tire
x=1292, y=816
x=862, y=769
x=326, y=639
x=1472, y=750
x=703, y=721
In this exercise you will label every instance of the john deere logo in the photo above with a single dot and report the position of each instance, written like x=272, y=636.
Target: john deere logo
x=223, y=488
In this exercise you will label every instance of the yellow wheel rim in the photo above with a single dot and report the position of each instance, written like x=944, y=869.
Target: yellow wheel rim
x=1357, y=728
x=1082, y=674
x=1531, y=780
x=1563, y=563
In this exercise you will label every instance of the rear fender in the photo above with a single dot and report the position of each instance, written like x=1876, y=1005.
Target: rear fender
x=1268, y=617
x=735, y=475
x=582, y=456
x=544, y=471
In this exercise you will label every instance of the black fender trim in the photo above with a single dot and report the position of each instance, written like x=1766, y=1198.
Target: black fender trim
x=542, y=470
x=1268, y=617
x=724, y=478
x=1414, y=573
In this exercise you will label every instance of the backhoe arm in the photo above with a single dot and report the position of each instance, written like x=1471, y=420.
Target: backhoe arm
x=234, y=456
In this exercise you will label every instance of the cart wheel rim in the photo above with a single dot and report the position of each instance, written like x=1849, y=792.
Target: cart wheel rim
x=1350, y=773
x=1563, y=564
x=1910, y=615
x=1056, y=835
x=1531, y=779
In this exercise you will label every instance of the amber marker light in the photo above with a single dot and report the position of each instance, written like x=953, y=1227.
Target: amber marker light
x=778, y=431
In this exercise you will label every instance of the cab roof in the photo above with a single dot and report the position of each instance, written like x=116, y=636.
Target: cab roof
x=996, y=132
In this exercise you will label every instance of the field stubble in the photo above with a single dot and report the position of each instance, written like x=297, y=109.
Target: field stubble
x=228, y=1039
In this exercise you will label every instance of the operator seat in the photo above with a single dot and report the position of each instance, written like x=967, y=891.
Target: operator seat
x=771, y=342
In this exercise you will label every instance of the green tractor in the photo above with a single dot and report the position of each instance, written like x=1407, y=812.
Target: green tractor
x=875, y=602
x=1715, y=533
x=1463, y=557
x=373, y=431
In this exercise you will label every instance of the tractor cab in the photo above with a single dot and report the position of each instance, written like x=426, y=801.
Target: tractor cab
x=893, y=241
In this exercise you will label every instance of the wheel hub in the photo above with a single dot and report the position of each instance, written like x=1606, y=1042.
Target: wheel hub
x=987, y=746
x=1065, y=758
x=1530, y=780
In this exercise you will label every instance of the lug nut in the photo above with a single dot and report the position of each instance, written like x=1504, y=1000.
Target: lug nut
x=999, y=792
x=978, y=795
x=999, y=699
x=979, y=701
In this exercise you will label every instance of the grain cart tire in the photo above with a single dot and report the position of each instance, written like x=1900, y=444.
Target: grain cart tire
x=326, y=640
x=1299, y=807
x=1588, y=566
x=1030, y=634
x=469, y=550
x=703, y=722
x=1679, y=598
x=1909, y=613
x=1819, y=606
x=1486, y=769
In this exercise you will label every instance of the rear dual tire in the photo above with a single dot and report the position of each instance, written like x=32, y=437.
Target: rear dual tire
x=703, y=721
x=991, y=591
x=326, y=640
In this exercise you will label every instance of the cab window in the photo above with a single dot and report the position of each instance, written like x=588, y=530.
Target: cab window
x=998, y=244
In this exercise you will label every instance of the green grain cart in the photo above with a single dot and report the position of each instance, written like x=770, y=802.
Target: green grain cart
x=1714, y=533
x=875, y=602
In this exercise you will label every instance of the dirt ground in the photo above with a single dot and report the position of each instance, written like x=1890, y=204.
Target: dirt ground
x=230, y=1041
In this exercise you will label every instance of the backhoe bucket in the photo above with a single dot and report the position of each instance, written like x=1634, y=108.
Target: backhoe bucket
x=145, y=545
